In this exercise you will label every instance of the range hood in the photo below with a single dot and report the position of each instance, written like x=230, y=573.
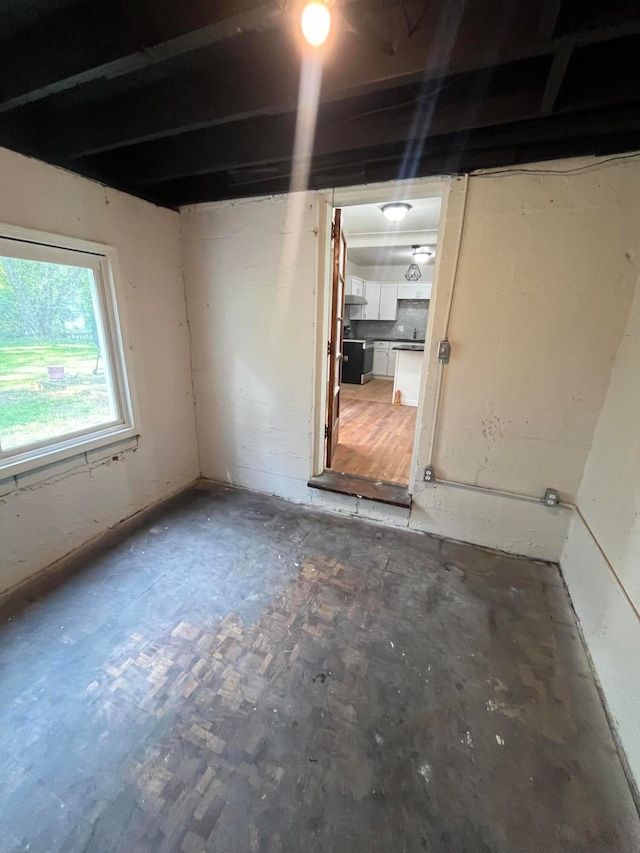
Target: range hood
x=349, y=299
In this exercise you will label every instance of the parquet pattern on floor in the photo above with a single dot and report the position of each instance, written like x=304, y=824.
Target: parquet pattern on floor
x=248, y=675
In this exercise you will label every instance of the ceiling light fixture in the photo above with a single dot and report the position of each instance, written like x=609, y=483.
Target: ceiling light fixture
x=396, y=211
x=421, y=254
x=316, y=23
x=413, y=273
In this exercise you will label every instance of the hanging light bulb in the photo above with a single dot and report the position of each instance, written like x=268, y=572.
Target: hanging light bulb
x=316, y=23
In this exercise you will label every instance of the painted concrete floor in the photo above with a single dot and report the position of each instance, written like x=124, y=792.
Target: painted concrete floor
x=244, y=674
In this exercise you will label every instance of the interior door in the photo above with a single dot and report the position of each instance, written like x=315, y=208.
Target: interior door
x=334, y=348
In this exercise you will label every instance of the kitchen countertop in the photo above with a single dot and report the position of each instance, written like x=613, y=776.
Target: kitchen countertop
x=412, y=347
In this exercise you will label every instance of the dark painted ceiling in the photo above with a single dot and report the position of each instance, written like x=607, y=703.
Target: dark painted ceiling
x=190, y=101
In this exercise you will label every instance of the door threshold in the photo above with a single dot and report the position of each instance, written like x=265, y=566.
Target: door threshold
x=362, y=487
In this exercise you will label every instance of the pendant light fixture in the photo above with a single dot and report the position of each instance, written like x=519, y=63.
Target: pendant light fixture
x=421, y=254
x=413, y=273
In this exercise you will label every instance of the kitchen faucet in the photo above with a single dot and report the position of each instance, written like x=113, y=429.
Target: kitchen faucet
x=415, y=333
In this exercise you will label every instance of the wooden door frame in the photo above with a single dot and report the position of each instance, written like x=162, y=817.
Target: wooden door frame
x=347, y=197
x=334, y=350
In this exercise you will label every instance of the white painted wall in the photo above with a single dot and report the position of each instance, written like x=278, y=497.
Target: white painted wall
x=542, y=294
x=48, y=514
x=609, y=501
x=354, y=269
x=250, y=270
x=546, y=274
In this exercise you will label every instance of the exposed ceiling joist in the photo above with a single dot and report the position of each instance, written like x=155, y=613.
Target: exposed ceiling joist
x=180, y=102
x=265, y=86
x=129, y=47
x=270, y=139
x=538, y=139
x=556, y=76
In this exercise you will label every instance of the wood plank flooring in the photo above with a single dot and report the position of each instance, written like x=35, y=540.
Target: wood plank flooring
x=376, y=437
x=376, y=391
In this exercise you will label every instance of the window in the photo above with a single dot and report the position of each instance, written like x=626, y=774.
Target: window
x=63, y=383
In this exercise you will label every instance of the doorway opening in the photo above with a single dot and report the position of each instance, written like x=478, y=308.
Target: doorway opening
x=382, y=262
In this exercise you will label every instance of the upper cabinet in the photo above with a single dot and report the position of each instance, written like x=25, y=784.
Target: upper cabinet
x=414, y=291
x=372, y=295
x=388, y=302
x=382, y=301
x=381, y=297
x=354, y=286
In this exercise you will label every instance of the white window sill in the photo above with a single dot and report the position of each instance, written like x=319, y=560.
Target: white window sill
x=21, y=473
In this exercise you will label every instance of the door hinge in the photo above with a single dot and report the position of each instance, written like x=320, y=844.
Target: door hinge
x=333, y=230
x=326, y=430
x=329, y=348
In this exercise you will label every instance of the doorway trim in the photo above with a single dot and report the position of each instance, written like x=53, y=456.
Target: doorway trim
x=347, y=197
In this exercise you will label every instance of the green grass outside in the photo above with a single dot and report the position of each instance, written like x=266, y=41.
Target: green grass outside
x=34, y=408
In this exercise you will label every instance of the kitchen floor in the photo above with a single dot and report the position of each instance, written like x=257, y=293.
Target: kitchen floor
x=376, y=437
x=245, y=674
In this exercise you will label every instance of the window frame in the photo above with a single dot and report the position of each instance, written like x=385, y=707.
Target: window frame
x=103, y=261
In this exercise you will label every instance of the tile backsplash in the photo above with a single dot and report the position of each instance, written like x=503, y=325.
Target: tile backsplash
x=412, y=314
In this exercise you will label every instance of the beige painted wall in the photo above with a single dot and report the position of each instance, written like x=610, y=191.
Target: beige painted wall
x=547, y=268
x=609, y=501
x=48, y=513
x=250, y=270
x=542, y=294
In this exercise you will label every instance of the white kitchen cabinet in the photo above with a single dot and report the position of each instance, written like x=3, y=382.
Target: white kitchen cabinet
x=391, y=363
x=380, y=362
x=372, y=295
x=382, y=301
x=354, y=285
x=415, y=291
x=388, y=302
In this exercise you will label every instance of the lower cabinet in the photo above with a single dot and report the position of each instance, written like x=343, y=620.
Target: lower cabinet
x=391, y=364
x=384, y=359
x=380, y=362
